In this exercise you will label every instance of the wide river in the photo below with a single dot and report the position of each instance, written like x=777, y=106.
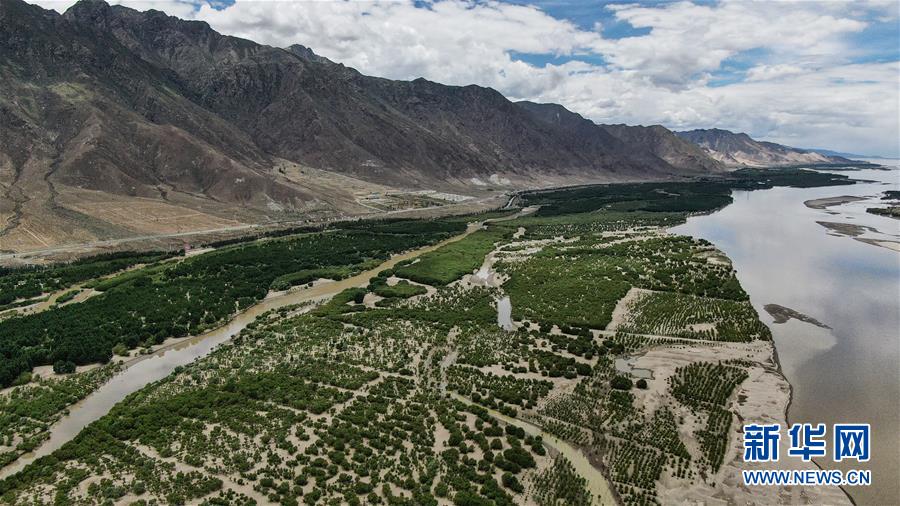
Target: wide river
x=850, y=372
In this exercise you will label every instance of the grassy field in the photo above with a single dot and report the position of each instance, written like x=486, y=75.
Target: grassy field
x=454, y=260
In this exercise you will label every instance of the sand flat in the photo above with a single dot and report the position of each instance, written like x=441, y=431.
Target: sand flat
x=825, y=203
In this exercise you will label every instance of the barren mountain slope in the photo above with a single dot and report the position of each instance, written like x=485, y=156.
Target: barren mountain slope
x=116, y=122
x=738, y=149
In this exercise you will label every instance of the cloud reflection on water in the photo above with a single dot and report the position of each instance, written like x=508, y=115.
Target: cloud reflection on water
x=783, y=256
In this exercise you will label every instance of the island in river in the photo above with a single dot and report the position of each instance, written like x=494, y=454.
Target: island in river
x=781, y=314
x=394, y=382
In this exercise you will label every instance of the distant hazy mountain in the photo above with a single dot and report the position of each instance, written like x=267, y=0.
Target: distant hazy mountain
x=105, y=104
x=739, y=150
x=828, y=152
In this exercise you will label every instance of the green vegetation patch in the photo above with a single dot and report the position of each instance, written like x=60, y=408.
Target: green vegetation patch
x=67, y=296
x=148, y=305
x=890, y=211
x=675, y=314
x=705, y=383
x=713, y=437
x=564, y=290
x=654, y=197
x=685, y=197
x=560, y=484
x=579, y=284
x=402, y=290
x=145, y=275
x=592, y=223
x=452, y=261
x=305, y=276
x=29, y=282
x=505, y=392
x=338, y=403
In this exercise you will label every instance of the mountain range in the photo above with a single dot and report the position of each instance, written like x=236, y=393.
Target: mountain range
x=740, y=150
x=842, y=154
x=115, y=123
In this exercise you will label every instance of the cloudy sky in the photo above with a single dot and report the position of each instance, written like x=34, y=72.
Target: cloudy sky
x=803, y=73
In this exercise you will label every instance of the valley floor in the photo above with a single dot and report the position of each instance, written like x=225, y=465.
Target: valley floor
x=632, y=360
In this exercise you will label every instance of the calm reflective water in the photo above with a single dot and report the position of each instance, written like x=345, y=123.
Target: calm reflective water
x=783, y=256
x=504, y=314
x=626, y=365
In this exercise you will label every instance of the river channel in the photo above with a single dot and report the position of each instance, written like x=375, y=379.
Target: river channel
x=144, y=370
x=849, y=372
x=147, y=369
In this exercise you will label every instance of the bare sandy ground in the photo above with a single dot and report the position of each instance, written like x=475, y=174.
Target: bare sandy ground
x=762, y=398
x=855, y=231
x=891, y=245
x=825, y=203
x=620, y=313
x=846, y=229
x=485, y=275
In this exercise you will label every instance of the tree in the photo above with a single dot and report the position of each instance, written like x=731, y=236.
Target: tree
x=621, y=383
x=512, y=483
x=64, y=367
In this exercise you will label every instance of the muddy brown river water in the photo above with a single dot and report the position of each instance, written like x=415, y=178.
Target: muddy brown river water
x=783, y=255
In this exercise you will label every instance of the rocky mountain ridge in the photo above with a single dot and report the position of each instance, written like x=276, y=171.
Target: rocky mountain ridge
x=740, y=150
x=117, y=122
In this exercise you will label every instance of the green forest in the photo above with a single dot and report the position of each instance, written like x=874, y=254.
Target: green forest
x=149, y=305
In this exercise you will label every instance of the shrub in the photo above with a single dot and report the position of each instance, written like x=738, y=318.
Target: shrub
x=120, y=350
x=22, y=379
x=519, y=456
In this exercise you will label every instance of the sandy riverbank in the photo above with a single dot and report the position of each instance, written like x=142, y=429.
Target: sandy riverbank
x=763, y=397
